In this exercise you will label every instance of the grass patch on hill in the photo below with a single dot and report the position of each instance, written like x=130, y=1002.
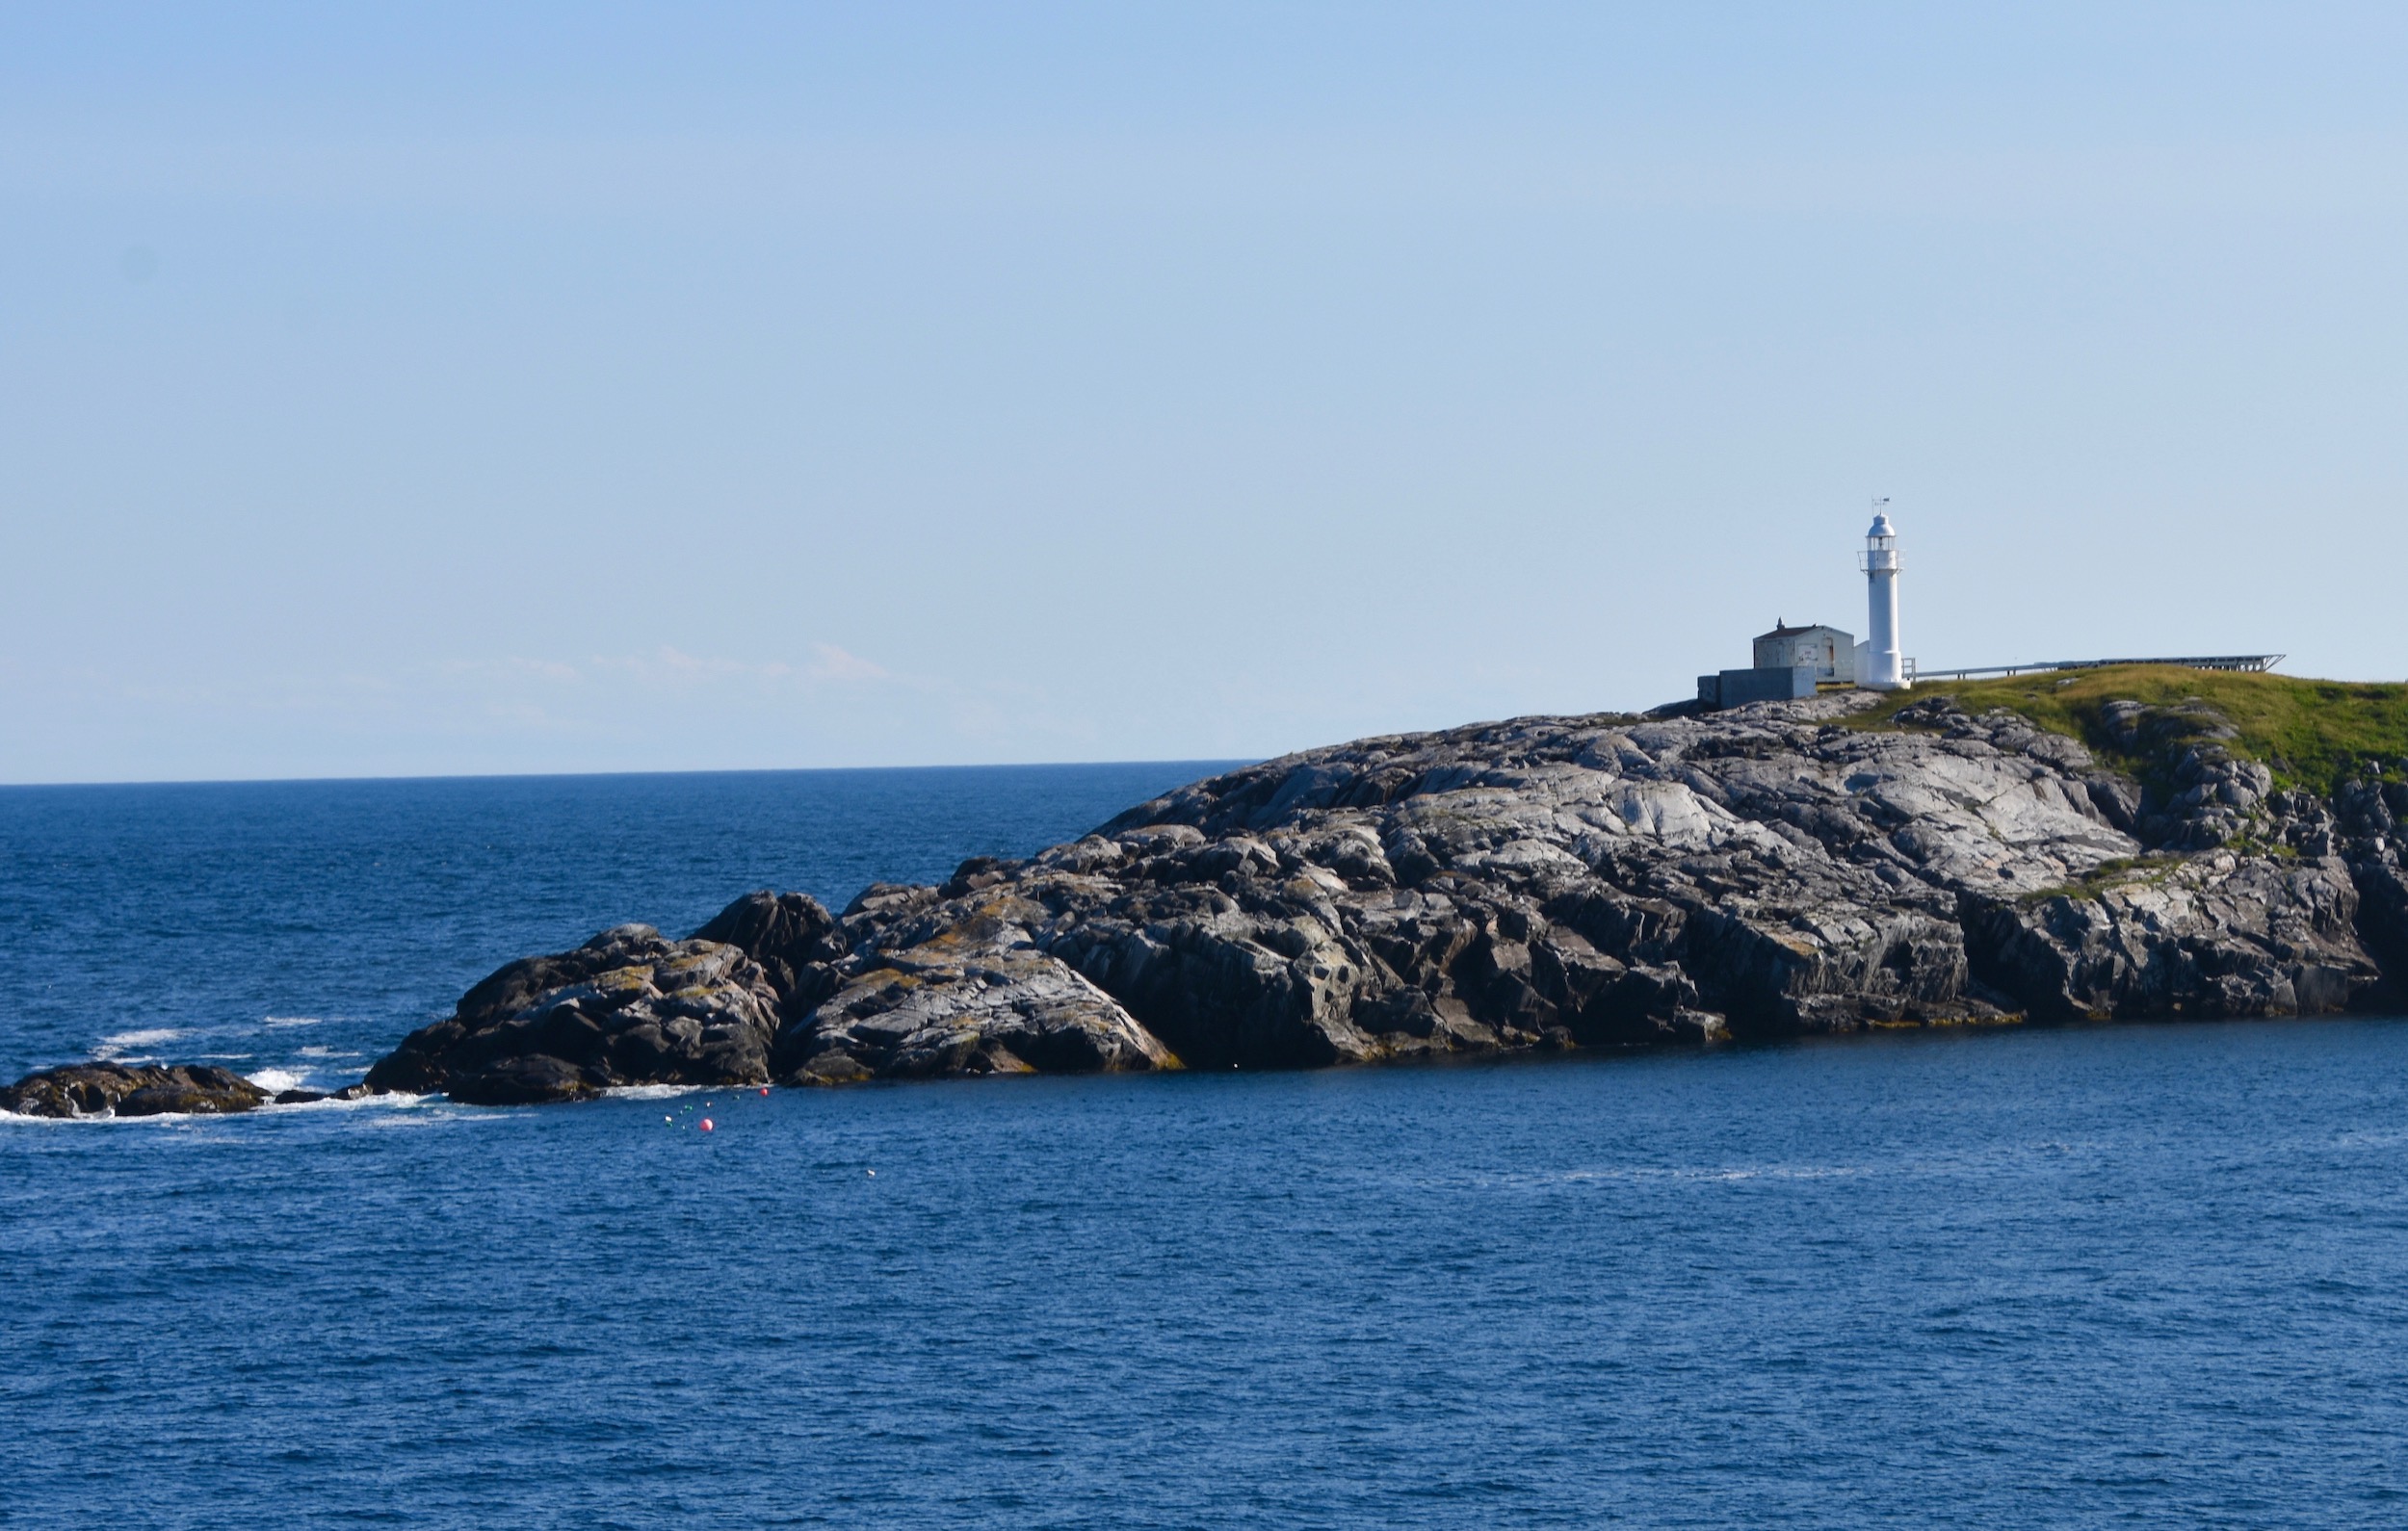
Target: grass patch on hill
x=2312, y=734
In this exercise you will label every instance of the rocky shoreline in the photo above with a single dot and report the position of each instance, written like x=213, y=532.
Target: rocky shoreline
x=1546, y=883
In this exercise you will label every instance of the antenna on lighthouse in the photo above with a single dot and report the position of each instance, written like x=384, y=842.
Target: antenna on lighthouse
x=1883, y=667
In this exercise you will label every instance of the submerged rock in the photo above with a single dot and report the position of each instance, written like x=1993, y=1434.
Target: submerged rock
x=116, y=1089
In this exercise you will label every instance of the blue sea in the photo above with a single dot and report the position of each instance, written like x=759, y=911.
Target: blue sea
x=2150, y=1275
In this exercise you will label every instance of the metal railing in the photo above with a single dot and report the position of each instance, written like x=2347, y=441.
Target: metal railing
x=2194, y=661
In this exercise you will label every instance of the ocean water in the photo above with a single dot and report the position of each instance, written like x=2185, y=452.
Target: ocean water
x=307, y=927
x=2139, y=1275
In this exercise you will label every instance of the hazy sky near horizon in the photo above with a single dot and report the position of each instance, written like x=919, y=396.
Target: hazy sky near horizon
x=464, y=388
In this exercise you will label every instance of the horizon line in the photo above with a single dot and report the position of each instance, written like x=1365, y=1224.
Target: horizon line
x=542, y=775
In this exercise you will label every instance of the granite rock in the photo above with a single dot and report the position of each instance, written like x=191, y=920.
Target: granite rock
x=627, y=1008
x=793, y=939
x=970, y=993
x=1600, y=881
x=116, y=1089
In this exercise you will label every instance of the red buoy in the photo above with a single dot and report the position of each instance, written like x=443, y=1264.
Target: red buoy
x=706, y=1124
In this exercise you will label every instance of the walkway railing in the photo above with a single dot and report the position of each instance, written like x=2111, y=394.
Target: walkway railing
x=2195, y=662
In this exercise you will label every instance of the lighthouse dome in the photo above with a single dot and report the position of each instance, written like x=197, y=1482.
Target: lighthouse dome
x=1881, y=528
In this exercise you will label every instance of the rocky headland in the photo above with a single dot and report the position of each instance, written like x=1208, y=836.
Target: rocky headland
x=1671, y=879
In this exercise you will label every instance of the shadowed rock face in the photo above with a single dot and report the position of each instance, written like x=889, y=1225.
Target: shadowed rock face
x=627, y=1008
x=791, y=936
x=1565, y=882
x=114, y=1089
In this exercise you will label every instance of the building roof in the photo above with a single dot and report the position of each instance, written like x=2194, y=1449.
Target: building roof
x=1782, y=630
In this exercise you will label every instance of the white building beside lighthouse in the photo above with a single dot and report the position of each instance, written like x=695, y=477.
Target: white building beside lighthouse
x=1881, y=665
x=1827, y=651
x=1792, y=661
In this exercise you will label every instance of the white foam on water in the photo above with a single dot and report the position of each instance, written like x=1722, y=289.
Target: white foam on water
x=433, y=1110
x=276, y=1080
x=393, y=1109
x=116, y=1045
x=395, y=1101
x=1730, y=1172
x=665, y=1092
x=292, y=1019
x=328, y=1053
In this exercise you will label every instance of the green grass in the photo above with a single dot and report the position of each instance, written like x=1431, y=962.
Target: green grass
x=2311, y=734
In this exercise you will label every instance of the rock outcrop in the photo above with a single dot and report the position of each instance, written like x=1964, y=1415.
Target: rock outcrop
x=2362, y=826
x=627, y=1008
x=2235, y=901
x=965, y=992
x=116, y=1089
x=1605, y=881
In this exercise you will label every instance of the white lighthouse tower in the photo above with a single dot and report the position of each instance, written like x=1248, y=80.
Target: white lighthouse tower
x=1879, y=666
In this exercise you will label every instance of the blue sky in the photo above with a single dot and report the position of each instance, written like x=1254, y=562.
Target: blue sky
x=489, y=388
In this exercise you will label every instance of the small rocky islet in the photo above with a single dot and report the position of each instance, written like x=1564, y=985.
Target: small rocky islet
x=1677, y=878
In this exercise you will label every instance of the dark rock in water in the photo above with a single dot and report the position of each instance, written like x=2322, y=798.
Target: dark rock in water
x=299, y=1097
x=1608, y=881
x=114, y=1089
x=627, y=1008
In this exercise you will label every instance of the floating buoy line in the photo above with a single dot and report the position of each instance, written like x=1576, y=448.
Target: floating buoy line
x=705, y=1124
